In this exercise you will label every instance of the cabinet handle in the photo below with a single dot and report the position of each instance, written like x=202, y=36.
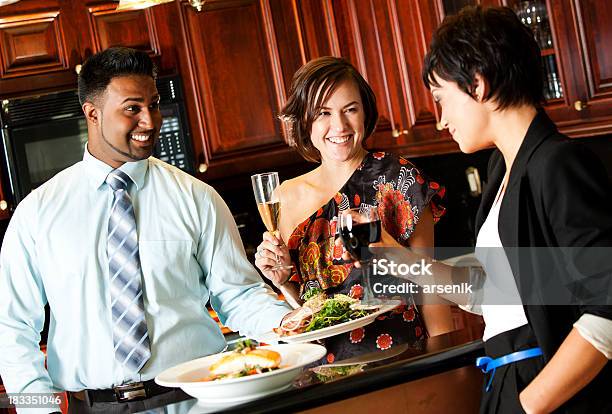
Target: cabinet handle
x=3, y=205
x=580, y=105
x=439, y=126
x=396, y=133
x=202, y=167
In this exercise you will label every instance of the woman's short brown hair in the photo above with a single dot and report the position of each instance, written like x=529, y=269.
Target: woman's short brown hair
x=312, y=84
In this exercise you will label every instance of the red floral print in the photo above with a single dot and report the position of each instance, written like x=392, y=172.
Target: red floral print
x=333, y=227
x=418, y=331
x=319, y=230
x=309, y=257
x=442, y=192
x=357, y=335
x=400, y=192
x=338, y=251
x=434, y=185
x=409, y=314
x=356, y=291
x=297, y=235
x=394, y=210
x=337, y=273
x=436, y=211
x=398, y=310
x=384, y=341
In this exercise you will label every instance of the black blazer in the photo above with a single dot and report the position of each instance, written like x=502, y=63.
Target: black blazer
x=558, y=195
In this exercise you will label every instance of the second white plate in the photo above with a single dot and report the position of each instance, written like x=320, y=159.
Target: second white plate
x=331, y=330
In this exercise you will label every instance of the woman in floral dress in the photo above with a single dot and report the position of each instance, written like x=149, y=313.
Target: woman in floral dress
x=331, y=111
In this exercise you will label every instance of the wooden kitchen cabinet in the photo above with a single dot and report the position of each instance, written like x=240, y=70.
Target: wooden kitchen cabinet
x=387, y=43
x=574, y=36
x=38, y=47
x=42, y=42
x=242, y=55
x=153, y=30
x=582, y=35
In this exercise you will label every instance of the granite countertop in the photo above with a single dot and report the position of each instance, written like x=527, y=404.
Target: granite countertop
x=434, y=355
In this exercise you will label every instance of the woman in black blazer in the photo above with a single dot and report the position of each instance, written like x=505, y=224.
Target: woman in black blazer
x=484, y=69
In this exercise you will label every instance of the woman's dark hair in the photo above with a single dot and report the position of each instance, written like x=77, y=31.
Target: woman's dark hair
x=491, y=42
x=98, y=71
x=312, y=84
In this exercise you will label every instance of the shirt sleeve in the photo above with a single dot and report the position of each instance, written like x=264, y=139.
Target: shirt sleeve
x=241, y=299
x=597, y=331
x=22, y=316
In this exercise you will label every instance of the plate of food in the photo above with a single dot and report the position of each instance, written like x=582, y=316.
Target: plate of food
x=246, y=373
x=322, y=316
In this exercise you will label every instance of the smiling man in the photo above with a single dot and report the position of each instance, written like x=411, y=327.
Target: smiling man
x=126, y=250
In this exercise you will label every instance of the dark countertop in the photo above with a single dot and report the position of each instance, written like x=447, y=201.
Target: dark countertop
x=438, y=354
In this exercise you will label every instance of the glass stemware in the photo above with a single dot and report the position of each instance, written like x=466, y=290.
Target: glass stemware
x=358, y=227
x=265, y=189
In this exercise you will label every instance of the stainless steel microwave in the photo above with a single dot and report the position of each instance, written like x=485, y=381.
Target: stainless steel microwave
x=42, y=135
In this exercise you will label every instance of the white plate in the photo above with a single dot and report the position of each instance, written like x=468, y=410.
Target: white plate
x=235, y=390
x=332, y=330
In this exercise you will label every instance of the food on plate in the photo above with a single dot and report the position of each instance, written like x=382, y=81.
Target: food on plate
x=245, y=360
x=320, y=311
x=327, y=373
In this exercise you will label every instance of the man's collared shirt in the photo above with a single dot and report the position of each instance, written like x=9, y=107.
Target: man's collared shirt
x=55, y=251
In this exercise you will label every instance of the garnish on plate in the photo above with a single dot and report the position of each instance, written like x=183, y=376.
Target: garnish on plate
x=320, y=311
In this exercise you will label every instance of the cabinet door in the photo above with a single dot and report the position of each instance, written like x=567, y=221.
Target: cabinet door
x=387, y=43
x=152, y=30
x=38, y=47
x=240, y=77
x=583, y=33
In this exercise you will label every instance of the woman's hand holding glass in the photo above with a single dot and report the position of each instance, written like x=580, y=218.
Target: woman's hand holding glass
x=270, y=253
x=386, y=240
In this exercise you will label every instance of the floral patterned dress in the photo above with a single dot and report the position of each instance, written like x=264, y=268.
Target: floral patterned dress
x=401, y=192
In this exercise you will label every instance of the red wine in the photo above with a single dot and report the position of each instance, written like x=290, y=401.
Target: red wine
x=360, y=236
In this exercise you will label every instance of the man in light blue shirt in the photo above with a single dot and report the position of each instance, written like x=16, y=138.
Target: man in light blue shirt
x=55, y=251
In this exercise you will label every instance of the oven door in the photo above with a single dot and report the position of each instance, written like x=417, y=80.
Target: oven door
x=35, y=153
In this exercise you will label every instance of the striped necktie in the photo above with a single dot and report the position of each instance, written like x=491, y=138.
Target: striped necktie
x=130, y=337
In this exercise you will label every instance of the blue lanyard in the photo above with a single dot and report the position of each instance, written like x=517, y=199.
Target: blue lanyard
x=487, y=364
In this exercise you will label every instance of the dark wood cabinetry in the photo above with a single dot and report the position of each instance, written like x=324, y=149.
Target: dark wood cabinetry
x=387, y=43
x=43, y=42
x=582, y=30
x=242, y=56
x=38, y=47
x=237, y=59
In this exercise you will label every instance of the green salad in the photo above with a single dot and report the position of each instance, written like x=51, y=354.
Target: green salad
x=330, y=311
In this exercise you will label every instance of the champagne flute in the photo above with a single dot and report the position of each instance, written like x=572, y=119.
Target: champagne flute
x=265, y=187
x=358, y=228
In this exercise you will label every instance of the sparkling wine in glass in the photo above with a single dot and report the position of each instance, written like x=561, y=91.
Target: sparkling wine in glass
x=265, y=188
